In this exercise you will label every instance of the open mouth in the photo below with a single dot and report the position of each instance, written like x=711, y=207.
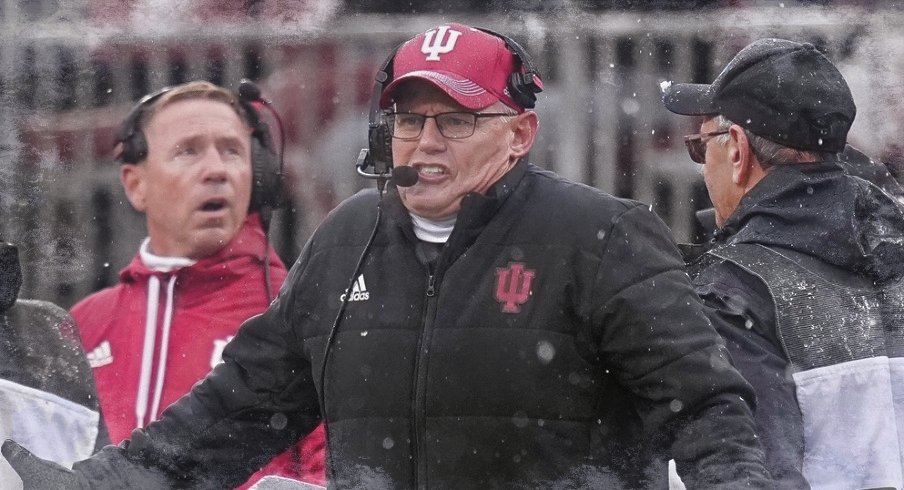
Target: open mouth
x=430, y=170
x=213, y=205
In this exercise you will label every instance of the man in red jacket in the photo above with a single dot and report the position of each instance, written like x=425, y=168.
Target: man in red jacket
x=198, y=163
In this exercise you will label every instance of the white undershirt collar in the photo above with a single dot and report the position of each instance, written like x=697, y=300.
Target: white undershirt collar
x=160, y=263
x=433, y=231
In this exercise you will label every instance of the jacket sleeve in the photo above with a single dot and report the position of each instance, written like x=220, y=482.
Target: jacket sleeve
x=743, y=313
x=653, y=331
x=251, y=407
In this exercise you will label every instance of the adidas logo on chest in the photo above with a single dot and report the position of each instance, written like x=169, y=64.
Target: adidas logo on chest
x=102, y=355
x=358, y=292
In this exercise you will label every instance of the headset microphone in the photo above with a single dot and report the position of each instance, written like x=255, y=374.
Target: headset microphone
x=400, y=176
x=404, y=176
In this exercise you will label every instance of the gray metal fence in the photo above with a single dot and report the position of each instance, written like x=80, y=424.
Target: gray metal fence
x=67, y=84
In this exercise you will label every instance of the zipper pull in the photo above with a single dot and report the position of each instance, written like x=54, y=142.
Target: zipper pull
x=431, y=282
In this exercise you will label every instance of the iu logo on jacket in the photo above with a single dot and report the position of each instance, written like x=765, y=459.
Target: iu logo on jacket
x=513, y=286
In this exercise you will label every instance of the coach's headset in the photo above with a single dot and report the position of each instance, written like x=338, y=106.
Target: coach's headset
x=522, y=86
x=267, y=189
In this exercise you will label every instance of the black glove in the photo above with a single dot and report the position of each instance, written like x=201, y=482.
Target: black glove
x=40, y=474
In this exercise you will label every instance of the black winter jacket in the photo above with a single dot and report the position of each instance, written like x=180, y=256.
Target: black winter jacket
x=555, y=343
x=849, y=227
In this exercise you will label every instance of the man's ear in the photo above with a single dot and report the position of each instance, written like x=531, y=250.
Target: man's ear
x=525, y=132
x=133, y=182
x=740, y=155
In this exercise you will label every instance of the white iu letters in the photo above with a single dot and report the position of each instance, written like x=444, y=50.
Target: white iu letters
x=436, y=42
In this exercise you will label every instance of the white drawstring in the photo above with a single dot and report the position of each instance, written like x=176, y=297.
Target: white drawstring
x=164, y=347
x=147, y=354
x=160, y=264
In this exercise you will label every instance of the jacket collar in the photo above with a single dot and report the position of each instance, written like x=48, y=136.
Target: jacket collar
x=818, y=210
x=250, y=242
x=476, y=209
x=783, y=188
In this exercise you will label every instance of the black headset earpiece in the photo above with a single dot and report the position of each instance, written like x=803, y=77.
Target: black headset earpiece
x=522, y=83
x=379, y=136
x=134, y=147
x=267, y=189
x=378, y=154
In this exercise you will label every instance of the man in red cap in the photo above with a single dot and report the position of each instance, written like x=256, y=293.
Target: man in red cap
x=485, y=325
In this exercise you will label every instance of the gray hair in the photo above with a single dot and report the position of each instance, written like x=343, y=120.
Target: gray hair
x=768, y=152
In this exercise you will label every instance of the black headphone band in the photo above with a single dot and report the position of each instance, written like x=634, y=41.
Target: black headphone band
x=133, y=122
x=527, y=66
x=131, y=125
x=381, y=80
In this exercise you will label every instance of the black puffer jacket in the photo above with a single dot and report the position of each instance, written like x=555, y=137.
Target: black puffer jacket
x=555, y=343
x=815, y=210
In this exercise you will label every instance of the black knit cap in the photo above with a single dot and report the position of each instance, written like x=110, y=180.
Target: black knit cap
x=784, y=91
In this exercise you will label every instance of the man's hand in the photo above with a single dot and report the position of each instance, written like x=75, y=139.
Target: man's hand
x=40, y=474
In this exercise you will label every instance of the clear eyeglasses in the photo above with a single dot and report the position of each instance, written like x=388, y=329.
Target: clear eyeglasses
x=452, y=125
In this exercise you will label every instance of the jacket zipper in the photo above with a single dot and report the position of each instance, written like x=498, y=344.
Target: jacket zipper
x=420, y=380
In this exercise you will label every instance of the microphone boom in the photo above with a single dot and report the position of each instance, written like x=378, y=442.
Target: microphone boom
x=401, y=176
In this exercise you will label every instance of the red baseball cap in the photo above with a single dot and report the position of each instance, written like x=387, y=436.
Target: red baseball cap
x=470, y=65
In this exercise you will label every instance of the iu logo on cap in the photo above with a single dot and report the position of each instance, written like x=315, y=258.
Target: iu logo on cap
x=513, y=286
x=436, y=42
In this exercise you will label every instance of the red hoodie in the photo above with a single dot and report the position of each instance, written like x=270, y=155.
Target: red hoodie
x=198, y=310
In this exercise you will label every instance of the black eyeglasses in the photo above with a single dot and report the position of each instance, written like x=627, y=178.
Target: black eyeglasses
x=452, y=125
x=696, y=144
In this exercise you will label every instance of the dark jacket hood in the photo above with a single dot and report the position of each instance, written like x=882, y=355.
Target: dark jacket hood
x=816, y=209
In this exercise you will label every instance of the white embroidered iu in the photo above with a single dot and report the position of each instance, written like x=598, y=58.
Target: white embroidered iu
x=436, y=42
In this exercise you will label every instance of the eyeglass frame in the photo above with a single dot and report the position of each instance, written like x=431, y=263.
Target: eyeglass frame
x=477, y=116
x=696, y=145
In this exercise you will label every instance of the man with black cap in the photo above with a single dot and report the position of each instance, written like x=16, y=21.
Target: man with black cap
x=490, y=325
x=803, y=275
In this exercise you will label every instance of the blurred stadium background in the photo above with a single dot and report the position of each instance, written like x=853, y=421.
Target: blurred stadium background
x=71, y=69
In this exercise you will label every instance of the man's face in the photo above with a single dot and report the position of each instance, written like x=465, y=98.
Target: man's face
x=195, y=184
x=448, y=169
x=717, y=174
